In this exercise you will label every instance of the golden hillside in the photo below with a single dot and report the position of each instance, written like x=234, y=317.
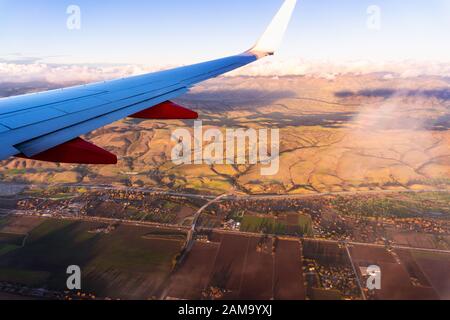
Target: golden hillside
x=356, y=132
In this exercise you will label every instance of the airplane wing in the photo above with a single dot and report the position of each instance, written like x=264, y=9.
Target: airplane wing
x=46, y=126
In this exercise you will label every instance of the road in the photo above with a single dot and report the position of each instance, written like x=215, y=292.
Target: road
x=191, y=233
x=191, y=230
x=227, y=197
x=188, y=229
x=94, y=219
x=187, y=247
x=157, y=191
x=294, y=238
x=358, y=281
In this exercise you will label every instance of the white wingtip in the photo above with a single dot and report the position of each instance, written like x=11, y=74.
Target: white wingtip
x=273, y=36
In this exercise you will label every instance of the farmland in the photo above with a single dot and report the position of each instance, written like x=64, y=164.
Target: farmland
x=137, y=262
x=289, y=224
x=405, y=274
x=121, y=262
x=436, y=268
x=401, y=205
x=328, y=272
x=364, y=177
x=240, y=267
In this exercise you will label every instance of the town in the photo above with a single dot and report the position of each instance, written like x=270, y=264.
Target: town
x=318, y=246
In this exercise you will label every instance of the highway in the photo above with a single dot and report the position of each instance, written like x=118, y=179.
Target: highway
x=191, y=233
x=190, y=241
x=190, y=238
x=188, y=229
x=294, y=238
x=158, y=191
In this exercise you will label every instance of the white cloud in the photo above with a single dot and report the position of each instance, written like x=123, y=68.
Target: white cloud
x=62, y=74
x=329, y=70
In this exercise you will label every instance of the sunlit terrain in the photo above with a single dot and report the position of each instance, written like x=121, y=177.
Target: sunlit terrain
x=364, y=179
x=353, y=133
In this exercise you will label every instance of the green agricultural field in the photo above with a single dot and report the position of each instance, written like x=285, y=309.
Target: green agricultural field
x=271, y=225
x=263, y=225
x=432, y=256
x=305, y=225
x=402, y=205
x=127, y=263
x=11, y=239
x=171, y=205
x=322, y=294
x=25, y=277
x=15, y=171
x=7, y=248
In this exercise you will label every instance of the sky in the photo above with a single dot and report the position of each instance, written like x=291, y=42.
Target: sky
x=174, y=32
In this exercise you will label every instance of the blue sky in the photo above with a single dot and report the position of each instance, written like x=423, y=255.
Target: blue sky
x=184, y=31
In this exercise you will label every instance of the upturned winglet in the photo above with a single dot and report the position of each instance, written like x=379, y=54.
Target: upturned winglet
x=273, y=36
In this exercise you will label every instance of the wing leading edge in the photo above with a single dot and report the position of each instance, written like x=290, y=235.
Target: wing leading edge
x=33, y=124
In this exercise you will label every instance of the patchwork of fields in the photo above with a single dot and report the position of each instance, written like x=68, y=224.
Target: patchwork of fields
x=125, y=262
x=241, y=267
x=135, y=262
x=357, y=150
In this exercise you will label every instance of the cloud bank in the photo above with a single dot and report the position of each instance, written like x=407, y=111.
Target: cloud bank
x=331, y=69
x=17, y=71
